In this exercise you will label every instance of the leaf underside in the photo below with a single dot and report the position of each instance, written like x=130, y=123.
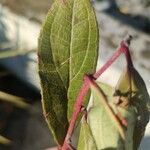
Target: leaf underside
x=67, y=50
x=103, y=129
x=86, y=140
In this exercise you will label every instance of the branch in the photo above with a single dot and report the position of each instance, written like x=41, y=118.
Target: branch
x=123, y=48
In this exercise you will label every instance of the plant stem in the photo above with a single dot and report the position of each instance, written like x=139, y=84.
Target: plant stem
x=123, y=48
x=77, y=108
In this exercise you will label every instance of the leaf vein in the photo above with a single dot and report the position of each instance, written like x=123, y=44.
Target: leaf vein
x=86, y=50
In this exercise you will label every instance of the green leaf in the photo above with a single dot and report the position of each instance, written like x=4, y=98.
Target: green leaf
x=132, y=86
x=54, y=92
x=103, y=126
x=86, y=140
x=68, y=46
x=83, y=48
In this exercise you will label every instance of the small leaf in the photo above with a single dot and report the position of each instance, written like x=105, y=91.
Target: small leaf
x=68, y=46
x=102, y=127
x=105, y=128
x=86, y=140
x=132, y=86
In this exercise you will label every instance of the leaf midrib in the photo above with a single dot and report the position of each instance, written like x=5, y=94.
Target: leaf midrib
x=57, y=69
x=70, y=48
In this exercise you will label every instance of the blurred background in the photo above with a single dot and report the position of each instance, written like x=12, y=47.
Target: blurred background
x=22, y=125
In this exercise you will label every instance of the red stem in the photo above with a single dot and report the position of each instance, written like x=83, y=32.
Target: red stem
x=85, y=87
x=127, y=54
x=77, y=108
x=109, y=62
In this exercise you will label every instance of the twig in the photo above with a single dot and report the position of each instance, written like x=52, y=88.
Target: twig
x=123, y=48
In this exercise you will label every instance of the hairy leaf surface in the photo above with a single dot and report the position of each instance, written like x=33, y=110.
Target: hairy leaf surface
x=67, y=50
x=83, y=47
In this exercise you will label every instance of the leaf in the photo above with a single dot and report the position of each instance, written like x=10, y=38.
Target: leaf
x=131, y=85
x=54, y=92
x=68, y=46
x=86, y=140
x=84, y=48
x=104, y=127
x=4, y=140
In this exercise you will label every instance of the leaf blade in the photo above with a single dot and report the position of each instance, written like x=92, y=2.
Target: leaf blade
x=86, y=140
x=132, y=85
x=85, y=25
x=50, y=81
x=61, y=59
x=100, y=123
x=103, y=127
